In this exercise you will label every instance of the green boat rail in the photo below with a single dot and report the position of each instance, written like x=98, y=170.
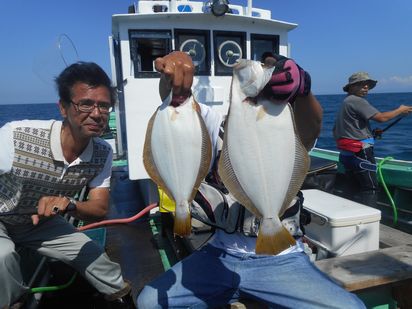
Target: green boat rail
x=397, y=173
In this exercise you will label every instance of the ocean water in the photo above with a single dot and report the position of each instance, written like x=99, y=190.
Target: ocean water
x=13, y=112
x=396, y=141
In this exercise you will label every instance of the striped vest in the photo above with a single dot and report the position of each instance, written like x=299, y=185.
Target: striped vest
x=35, y=173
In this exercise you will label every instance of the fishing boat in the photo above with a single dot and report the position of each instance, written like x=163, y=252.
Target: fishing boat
x=215, y=34
x=395, y=181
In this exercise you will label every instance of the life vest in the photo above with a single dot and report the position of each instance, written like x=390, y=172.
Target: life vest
x=348, y=144
x=217, y=209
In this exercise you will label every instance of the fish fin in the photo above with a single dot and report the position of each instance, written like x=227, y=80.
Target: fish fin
x=206, y=154
x=300, y=169
x=229, y=178
x=273, y=237
x=182, y=223
x=148, y=160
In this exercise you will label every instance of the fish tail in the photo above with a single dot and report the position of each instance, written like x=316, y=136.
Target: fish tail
x=273, y=237
x=182, y=225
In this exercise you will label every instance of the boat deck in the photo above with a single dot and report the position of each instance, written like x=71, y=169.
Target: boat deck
x=384, y=271
x=146, y=248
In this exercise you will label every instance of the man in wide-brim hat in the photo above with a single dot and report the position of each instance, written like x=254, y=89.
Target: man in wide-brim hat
x=360, y=78
x=354, y=137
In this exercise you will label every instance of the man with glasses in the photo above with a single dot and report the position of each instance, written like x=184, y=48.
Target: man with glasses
x=43, y=166
x=354, y=136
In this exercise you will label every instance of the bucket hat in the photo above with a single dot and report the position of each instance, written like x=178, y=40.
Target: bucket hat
x=360, y=77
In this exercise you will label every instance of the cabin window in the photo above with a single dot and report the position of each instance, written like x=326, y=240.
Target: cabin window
x=185, y=8
x=145, y=47
x=261, y=43
x=229, y=47
x=196, y=43
x=159, y=8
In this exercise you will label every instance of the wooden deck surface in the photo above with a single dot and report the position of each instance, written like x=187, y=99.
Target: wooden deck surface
x=144, y=252
x=387, y=268
x=370, y=269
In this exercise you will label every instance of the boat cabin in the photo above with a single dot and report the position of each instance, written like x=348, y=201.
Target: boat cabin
x=214, y=38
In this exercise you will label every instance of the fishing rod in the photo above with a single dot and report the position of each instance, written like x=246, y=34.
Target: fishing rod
x=29, y=211
x=377, y=133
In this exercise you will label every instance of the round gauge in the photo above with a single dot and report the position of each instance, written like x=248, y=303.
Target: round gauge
x=229, y=53
x=194, y=49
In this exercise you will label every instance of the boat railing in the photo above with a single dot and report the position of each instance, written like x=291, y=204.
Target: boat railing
x=184, y=6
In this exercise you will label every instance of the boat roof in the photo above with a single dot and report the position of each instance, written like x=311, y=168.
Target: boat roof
x=195, y=10
x=229, y=18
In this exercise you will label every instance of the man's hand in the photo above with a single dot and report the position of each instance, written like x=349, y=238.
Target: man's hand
x=377, y=133
x=405, y=110
x=50, y=206
x=288, y=80
x=177, y=71
x=290, y=83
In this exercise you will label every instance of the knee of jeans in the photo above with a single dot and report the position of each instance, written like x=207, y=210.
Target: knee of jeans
x=144, y=300
x=355, y=302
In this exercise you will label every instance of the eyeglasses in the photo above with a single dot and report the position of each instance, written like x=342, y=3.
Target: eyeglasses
x=363, y=84
x=87, y=106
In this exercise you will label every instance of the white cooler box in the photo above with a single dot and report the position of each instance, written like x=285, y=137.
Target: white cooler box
x=341, y=226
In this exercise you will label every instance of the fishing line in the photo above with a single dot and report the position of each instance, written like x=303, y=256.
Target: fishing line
x=60, y=43
x=117, y=221
x=55, y=58
x=395, y=210
x=87, y=227
x=54, y=287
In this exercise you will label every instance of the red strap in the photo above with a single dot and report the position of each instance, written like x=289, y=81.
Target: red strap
x=348, y=144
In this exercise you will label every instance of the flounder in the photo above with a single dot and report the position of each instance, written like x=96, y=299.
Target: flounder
x=263, y=162
x=177, y=153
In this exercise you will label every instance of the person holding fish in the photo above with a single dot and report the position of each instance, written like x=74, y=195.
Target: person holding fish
x=44, y=164
x=354, y=137
x=251, y=195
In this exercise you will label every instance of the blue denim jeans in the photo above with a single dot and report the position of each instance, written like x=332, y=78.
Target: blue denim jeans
x=212, y=277
x=361, y=168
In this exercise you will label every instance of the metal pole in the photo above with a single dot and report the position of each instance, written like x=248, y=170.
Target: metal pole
x=249, y=7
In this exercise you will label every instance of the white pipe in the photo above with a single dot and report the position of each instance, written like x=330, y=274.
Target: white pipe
x=173, y=7
x=249, y=7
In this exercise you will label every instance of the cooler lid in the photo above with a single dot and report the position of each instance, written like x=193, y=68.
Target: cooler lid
x=338, y=211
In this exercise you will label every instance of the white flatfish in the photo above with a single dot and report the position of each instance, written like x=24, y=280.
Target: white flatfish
x=177, y=154
x=263, y=162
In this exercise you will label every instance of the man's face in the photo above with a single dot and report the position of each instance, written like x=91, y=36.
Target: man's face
x=90, y=123
x=359, y=89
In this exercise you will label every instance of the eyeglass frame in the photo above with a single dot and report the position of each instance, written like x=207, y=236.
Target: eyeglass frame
x=95, y=105
x=363, y=83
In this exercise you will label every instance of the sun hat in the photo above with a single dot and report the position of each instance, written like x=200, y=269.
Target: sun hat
x=360, y=77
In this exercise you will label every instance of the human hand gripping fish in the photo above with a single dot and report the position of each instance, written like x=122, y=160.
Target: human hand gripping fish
x=263, y=163
x=177, y=149
x=177, y=71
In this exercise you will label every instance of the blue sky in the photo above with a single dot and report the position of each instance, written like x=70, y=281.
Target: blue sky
x=333, y=40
